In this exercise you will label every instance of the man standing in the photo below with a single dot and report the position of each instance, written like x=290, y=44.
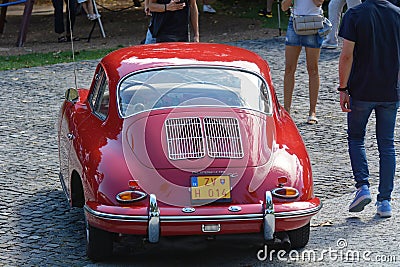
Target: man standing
x=369, y=80
x=171, y=18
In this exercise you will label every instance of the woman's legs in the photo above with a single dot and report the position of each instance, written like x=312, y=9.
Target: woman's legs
x=312, y=57
x=291, y=57
x=90, y=7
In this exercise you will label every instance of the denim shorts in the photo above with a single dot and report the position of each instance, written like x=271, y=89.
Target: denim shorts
x=293, y=39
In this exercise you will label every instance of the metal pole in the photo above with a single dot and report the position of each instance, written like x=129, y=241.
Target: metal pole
x=279, y=18
x=25, y=22
x=98, y=19
x=188, y=4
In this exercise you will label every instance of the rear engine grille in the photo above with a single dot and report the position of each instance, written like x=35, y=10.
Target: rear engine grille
x=184, y=138
x=223, y=138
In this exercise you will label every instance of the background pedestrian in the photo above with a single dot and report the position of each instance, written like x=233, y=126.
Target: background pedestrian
x=335, y=9
x=59, y=26
x=267, y=10
x=369, y=80
x=87, y=6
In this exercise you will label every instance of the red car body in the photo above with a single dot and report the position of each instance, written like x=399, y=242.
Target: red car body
x=200, y=166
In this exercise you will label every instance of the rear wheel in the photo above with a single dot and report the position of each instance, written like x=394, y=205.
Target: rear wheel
x=299, y=237
x=99, y=243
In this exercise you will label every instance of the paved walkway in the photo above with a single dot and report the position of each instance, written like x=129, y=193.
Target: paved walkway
x=37, y=228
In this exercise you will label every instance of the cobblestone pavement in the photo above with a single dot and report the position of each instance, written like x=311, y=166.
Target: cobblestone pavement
x=37, y=228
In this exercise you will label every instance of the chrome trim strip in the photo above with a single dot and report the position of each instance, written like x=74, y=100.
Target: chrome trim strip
x=116, y=217
x=211, y=218
x=298, y=213
x=133, y=218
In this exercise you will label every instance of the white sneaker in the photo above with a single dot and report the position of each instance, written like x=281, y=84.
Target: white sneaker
x=327, y=45
x=208, y=9
x=93, y=16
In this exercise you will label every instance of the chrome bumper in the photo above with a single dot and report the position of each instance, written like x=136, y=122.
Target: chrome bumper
x=154, y=217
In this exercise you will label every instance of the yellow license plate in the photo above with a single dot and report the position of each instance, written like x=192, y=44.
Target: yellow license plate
x=210, y=187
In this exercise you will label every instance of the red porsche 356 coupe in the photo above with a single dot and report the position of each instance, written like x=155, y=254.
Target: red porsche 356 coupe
x=184, y=139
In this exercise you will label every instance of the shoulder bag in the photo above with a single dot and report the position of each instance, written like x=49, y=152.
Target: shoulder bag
x=311, y=24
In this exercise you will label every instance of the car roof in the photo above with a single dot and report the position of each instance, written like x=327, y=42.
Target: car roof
x=126, y=60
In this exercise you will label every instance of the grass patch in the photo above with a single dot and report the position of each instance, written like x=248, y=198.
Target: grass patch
x=38, y=59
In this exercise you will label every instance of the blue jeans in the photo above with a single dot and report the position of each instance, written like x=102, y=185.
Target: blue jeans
x=357, y=119
x=149, y=38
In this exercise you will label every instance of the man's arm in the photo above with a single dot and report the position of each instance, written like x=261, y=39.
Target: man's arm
x=345, y=64
x=171, y=6
x=194, y=20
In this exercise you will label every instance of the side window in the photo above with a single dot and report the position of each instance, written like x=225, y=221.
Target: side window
x=100, y=97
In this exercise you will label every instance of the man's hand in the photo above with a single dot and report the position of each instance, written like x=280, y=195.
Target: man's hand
x=147, y=11
x=175, y=5
x=345, y=101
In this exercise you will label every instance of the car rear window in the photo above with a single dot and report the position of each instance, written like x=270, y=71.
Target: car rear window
x=192, y=86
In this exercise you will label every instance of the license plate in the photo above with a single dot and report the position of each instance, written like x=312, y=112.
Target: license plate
x=206, y=188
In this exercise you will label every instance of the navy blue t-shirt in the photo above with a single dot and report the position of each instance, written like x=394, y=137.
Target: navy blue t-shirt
x=374, y=26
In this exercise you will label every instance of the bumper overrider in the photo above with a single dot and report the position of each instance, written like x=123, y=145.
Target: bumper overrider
x=154, y=222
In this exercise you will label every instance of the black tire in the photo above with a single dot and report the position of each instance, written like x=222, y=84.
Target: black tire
x=99, y=243
x=299, y=237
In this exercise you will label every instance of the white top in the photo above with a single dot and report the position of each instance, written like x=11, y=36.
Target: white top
x=306, y=7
